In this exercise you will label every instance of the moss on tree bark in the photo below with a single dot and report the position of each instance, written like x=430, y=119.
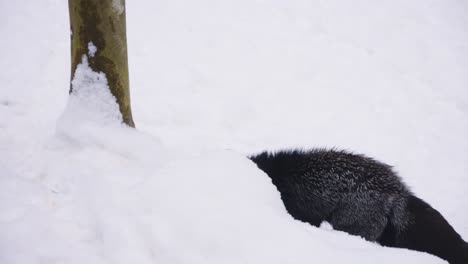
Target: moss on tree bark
x=103, y=23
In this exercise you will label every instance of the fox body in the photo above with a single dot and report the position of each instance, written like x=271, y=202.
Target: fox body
x=361, y=196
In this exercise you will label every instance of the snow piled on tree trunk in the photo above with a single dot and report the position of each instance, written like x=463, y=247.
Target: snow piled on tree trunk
x=91, y=99
x=92, y=113
x=91, y=49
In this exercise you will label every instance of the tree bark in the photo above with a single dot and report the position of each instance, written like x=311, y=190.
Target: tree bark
x=102, y=23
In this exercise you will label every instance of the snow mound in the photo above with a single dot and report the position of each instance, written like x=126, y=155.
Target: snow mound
x=103, y=202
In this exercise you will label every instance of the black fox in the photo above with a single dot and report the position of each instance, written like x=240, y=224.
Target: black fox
x=361, y=196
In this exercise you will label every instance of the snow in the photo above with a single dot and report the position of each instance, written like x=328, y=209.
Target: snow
x=211, y=82
x=118, y=6
x=91, y=49
x=91, y=96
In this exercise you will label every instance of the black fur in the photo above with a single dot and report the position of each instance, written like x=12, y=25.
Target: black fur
x=361, y=196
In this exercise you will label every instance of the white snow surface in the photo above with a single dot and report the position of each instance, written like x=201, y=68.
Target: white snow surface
x=211, y=82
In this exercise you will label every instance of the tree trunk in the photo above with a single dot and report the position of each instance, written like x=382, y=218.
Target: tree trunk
x=101, y=24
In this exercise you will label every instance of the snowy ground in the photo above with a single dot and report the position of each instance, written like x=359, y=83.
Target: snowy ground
x=211, y=82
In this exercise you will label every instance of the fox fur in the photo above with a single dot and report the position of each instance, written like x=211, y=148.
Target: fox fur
x=361, y=196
